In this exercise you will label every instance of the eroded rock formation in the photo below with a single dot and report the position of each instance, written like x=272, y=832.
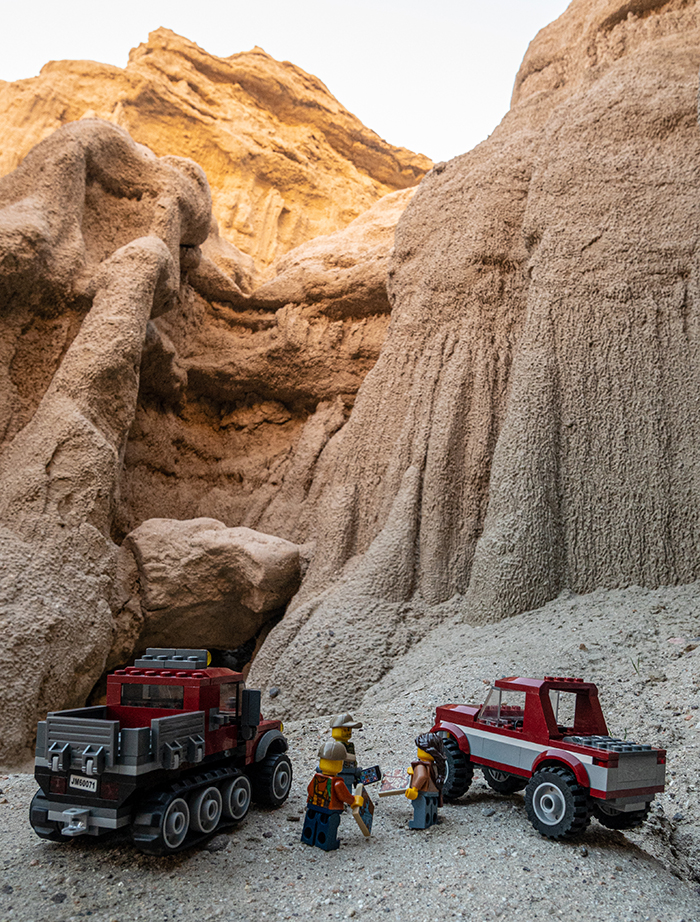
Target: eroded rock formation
x=269, y=379
x=95, y=236
x=286, y=162
x=532, y=422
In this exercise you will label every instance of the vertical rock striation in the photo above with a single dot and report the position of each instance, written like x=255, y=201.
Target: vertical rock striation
x=532, y=421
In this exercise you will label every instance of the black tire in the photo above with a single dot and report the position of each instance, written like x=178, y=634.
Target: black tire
x=556, y=804
x=41, y=824
x=161, y=824
x=503, y=782
x=616, y=819
x=460, y=770
x=272, y=779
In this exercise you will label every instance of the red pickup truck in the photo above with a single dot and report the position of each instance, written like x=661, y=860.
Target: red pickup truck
x=549, y=737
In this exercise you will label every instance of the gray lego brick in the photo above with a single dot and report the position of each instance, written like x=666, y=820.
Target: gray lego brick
x=81, y=732
x=172, y=658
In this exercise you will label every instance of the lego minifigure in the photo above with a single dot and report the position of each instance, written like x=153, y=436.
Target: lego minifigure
x=328, y=795
x=427, y=777
x=342, y=726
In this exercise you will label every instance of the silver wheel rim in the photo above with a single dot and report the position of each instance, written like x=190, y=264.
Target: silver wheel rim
x=237, y=798
x=175, y=823
x=281, y=779
x=206, y=810
x=549, y=803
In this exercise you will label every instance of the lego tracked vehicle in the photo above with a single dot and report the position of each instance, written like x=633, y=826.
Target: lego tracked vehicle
x=178, y=750
x=549, y=737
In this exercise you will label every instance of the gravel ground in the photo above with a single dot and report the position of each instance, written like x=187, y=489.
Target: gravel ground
x=483, y=861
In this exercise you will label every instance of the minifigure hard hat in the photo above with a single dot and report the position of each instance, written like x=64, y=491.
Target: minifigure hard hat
x=333, y=751
x=345, y=720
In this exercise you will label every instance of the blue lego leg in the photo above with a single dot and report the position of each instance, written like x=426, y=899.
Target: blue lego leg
x=321, y=828
x=425, y=811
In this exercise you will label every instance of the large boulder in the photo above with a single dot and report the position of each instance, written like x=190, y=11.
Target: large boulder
x=533, y=420
x=199, y=584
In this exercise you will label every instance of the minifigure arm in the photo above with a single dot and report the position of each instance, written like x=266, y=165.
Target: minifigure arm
x=341, y=791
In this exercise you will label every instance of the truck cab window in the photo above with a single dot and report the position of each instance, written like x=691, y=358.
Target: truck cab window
x=153, y=696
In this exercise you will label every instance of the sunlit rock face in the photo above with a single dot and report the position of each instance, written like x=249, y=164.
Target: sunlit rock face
x=246, y=380
x=533, y=421
x=285, y=160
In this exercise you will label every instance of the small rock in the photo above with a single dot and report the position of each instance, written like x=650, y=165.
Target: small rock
x=267, y=835
x=59, y=897
x=677, y=817
x=217, y=844
x=583, y=852
x=6, y=888
x=274, y=691
x=487, y=811
x=293, y=819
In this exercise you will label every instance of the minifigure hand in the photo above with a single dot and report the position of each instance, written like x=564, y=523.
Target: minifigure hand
x=411, y=793
x=358, y=801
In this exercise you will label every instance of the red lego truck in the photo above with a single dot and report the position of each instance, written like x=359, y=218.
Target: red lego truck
x=549, y=737
x=178, y=750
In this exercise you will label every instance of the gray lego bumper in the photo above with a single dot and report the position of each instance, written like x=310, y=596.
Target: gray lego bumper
x=79, y=821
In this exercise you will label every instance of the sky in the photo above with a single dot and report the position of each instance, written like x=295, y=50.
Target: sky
x=435, y=77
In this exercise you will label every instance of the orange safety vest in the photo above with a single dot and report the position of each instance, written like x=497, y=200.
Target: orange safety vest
x=329, y=792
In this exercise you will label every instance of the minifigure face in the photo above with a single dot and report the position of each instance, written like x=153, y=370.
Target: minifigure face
x=424, y=756
x=329, y=767
x=341, y=733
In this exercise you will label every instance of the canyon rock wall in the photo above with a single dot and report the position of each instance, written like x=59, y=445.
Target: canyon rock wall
x=533, y=421
x=514, y=412
x=96, y=236
x=267, y=380
x=285, y=161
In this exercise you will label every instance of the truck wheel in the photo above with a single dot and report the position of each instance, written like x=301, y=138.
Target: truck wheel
x=618, y=819
x=557, y=806
x=161, y=824
x=237, y=795
x=205, y=810
x=460, y=770
x=503, y=782
x=272, y=780
x=41, y=824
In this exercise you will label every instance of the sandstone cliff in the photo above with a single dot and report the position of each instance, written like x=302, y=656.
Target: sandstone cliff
x=533, y=420
x=285, y=161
